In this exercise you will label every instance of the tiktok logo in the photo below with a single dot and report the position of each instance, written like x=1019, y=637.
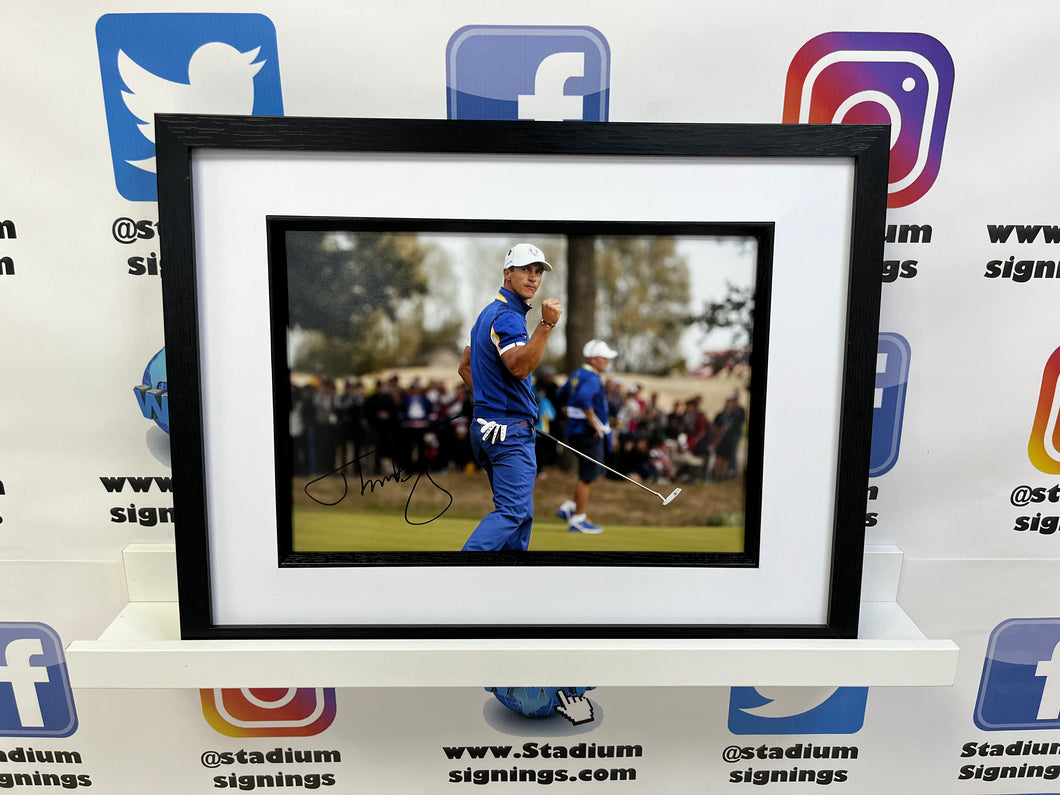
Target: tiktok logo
x=533, y=73
x=35, y=695
x=1020, y=686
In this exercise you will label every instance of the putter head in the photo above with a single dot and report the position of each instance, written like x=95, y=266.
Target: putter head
x=672, y=497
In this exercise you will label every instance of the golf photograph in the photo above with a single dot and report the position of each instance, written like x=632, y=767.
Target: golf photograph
x=506, y=387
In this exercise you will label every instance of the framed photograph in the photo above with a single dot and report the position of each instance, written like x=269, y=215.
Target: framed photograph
x=321, y=285
x=374, y=423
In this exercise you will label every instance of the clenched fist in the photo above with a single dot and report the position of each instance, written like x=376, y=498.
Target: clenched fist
x=551, y=309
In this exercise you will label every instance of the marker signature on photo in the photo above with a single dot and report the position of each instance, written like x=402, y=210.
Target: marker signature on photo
x=397, y=475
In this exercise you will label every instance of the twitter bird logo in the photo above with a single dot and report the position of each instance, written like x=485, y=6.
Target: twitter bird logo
x=220, y=80
x=179, y=63
x=797, y=710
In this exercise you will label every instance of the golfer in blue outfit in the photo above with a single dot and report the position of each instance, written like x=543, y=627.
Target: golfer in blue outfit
x=588, y=430
x=496, y=367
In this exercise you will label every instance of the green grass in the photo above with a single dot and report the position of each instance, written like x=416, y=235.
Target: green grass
x=329, y=530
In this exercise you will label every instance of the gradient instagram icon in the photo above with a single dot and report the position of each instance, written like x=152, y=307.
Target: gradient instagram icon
x=1044, y=447
x=901, y=79
x=269, y=712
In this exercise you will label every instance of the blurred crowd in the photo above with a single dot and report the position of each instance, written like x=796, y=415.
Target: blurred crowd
x=682, y=443
x=425, y=425
x=415, y=427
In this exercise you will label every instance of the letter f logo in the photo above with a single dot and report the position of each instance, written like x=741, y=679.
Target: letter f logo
x=1049, y=670
x=530, y=72
x=35, y=695
x=548, y=102
x=23, y=679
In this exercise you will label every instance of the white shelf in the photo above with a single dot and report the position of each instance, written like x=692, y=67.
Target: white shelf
x=142, y=649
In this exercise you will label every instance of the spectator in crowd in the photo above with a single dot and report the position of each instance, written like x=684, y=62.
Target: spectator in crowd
x=350, y=430
x=453, y=433
x=380, y=413
x=417, y=416
x=322, y=426
x=728, y=430
x=660, y=458
x=544, y=447
x=675, y=421
x=301, y=405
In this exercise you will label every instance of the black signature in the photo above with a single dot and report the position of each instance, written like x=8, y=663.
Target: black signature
x=398, y=475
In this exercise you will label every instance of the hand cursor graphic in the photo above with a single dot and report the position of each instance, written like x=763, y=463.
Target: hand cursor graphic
x=576, y=709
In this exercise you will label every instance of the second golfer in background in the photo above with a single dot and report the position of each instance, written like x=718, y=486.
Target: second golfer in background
x=588, y=430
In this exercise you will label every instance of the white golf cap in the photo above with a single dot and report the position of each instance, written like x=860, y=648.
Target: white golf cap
x=598, y=348
x=525, y=254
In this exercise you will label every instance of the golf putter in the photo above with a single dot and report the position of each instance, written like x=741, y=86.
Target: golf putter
x=666, y=500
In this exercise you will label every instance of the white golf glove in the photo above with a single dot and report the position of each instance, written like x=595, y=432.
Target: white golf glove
x=493, y=432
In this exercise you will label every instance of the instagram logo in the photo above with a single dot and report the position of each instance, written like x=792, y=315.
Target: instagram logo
x=269, y=711
x=1044, y=447
x=901, y=79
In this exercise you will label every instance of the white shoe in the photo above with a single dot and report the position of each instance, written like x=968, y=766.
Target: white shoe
x=581, y=524
x=566, y=511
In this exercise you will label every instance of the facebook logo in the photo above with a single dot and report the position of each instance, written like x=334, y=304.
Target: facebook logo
x=1020, y=686
x=535, y=73
x=797, y=710
x=892, y=375
x=35, y=695
x=179, y=63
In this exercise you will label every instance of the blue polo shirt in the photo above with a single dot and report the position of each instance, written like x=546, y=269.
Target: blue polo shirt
x=500, y=327
x=581, y=392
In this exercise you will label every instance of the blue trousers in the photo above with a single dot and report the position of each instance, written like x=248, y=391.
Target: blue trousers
x=511, y=467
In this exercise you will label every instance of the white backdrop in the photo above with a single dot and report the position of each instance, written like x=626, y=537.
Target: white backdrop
x=80, y=326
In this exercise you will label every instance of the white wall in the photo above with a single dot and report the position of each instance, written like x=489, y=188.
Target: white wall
x=80, y=327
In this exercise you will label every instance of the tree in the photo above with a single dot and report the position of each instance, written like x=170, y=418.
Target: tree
x=357, y=301
x=734, y=311
x=337, y=282
x=581, y=297
x=643, y=300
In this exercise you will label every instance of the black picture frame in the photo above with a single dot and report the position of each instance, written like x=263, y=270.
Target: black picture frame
x=210, y=567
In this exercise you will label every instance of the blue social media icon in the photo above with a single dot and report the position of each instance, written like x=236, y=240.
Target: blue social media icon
x=1020, y=686
x=797, y=710
x=152, y=395
x=35, y=695
x=892, y=376
x=179, y=63
x=535, y=73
